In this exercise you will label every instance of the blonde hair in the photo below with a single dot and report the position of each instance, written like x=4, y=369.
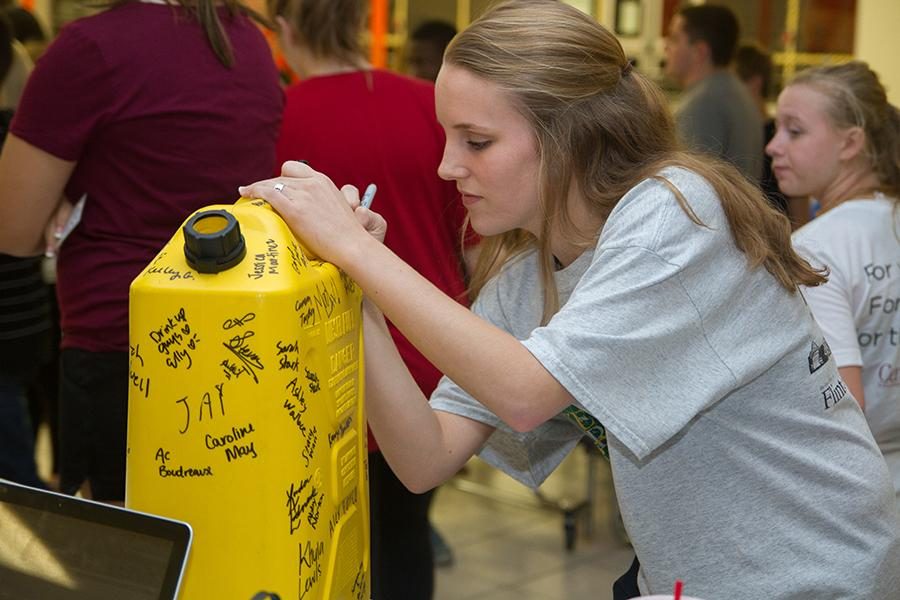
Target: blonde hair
x=856, y=98
x=603, y=128
x=329, y=28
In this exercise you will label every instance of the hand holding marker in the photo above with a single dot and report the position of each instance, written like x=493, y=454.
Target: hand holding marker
x=63, y=231
x=367, y=196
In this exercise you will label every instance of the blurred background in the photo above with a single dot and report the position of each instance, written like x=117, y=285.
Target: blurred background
x=798, y=33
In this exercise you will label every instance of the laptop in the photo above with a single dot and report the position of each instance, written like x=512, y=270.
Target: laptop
x=57, y=547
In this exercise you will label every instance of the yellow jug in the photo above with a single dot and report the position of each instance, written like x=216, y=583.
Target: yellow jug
x=246, y=414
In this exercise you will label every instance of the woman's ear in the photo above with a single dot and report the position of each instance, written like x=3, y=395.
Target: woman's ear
x=854, y=143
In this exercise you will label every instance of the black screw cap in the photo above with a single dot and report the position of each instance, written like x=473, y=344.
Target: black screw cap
x=213, y=241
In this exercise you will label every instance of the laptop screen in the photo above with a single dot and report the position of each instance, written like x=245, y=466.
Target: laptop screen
x=56, y=547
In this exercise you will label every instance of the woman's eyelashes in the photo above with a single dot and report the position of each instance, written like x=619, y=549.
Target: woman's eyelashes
x=477, y=145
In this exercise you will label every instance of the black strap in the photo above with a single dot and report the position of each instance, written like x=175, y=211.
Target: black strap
x=626, y=586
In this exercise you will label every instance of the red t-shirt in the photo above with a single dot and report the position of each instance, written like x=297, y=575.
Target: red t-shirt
x=380, y=127
x=159, y=128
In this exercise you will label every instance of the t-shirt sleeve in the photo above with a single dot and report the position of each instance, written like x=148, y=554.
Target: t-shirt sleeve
x=527, y=457
x=630, y=347
x=831, y=306
x=64, y=98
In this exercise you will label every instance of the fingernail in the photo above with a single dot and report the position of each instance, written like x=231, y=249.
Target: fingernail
x=49, y=253
x=241, y=190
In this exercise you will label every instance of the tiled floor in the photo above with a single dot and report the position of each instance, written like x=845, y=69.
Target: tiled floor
x=509, y=545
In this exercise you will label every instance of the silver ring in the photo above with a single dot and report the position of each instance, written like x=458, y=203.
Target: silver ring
x=279, y=187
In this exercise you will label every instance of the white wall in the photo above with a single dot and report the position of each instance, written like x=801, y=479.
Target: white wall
x=877, y=43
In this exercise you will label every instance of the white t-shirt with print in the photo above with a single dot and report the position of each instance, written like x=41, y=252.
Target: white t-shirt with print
x=859, y=308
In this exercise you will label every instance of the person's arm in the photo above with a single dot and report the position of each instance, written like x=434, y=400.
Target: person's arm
x=32, y=182
x=832, y=306
x=852, y=376
x=487, y=362
x=424, y=447
x=490, y=364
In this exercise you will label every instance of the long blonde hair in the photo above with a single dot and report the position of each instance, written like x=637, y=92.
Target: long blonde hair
x=603, y=128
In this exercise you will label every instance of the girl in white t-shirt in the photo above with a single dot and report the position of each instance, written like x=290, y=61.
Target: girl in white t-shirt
x=630, y=292
x=838, y=141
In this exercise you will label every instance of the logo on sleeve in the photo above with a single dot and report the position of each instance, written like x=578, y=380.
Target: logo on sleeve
x=593, y=428
x=818, y=355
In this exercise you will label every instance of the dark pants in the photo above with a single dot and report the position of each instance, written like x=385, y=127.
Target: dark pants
x=93, y=417
x=20, y=362
x=16, y=438
x=626, y=586
x=43, y=393
x=402, y=564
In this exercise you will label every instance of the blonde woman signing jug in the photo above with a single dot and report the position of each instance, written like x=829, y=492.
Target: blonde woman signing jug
x=838, y=140
x=396, y=145
x=627, y=291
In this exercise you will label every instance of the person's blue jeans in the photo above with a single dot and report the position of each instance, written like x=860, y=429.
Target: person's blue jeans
x=16, y=439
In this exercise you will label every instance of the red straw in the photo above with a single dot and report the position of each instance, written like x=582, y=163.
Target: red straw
x=678, y=586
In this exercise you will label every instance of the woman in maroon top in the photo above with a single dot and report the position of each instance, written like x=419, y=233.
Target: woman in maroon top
x=148, y=110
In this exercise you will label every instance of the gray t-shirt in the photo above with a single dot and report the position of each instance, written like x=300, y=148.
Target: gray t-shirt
x=740, y=463
x=718, y=116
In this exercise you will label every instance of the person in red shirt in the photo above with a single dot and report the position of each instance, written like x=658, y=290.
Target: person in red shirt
x=149, y=111
x=397, y=144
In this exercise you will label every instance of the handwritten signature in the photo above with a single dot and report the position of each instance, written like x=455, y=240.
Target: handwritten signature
x=250, y=361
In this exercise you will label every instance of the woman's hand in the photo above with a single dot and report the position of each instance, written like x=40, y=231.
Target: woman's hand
x=371, y=221
x=53, y=233
x=328, y=221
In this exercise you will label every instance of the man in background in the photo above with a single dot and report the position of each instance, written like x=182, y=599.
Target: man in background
x=426, y=49
x=716, y=115
x=753, y=66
